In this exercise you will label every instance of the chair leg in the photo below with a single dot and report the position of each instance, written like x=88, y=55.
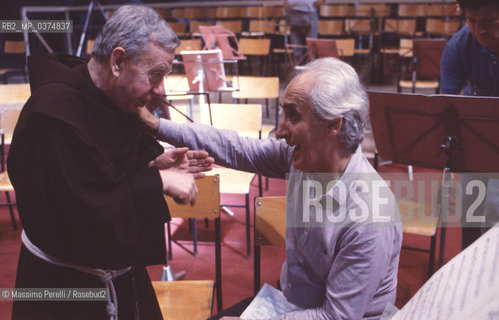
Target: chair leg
x=170, y=254
x=248, y=249
x=256, y=268
x=195, y=236
x=432, y=255
x=218, y=263
x=11, y=210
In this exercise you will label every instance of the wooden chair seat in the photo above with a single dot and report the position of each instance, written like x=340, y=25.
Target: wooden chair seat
x=415, y=222
x=179, y=300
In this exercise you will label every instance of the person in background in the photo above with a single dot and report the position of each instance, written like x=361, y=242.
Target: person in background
x=470, y=66
x=303, y=22
x=346, y=269
x=469, y=63
x=89, y=181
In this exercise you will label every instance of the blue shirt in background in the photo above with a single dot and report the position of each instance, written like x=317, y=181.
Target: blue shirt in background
x=468, y=65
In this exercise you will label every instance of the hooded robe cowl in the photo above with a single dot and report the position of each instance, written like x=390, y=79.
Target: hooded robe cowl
x=84, y=192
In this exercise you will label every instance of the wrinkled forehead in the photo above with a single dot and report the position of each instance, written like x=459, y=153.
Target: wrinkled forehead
x=298, y=89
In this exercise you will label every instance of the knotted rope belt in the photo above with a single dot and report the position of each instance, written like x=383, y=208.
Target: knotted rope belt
x=106, y=276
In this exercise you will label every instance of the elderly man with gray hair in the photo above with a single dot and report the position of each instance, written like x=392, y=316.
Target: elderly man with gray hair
x=89, y=181
x=342, y=255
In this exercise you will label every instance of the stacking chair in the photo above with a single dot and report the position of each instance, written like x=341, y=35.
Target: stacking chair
x=257, y=88
x=258, y=48
x=17, y=48
x=246, y=119
x=207, y=206
x=402, y=27
x=179, y=300
x=320, y=48
x=194, y=13
x=425, y=69
x=194, y=26
x=444, y=10
x=270, y=229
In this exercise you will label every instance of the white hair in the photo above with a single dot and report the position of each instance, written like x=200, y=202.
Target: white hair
x=132, y=28
x=336, y=92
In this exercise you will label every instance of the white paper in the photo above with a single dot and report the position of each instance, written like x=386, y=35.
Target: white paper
x=466, y=288
x=268, y=303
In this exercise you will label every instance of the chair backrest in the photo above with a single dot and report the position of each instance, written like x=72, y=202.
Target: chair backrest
x=405, y=47
x=207, y=204
x=263, y=26
x=251, y=46
x=14, y=46
x=14, y=93
x=235, y=26
x=90, y=46
x=427, y=54
x=400, y=26
x=260, y=12
x=270, y=228
x=441, y=27
x=188, y=44
x=194, y=26
x=270, y=221
x=320, y=48
x=336, y=10
x=379, y=10
x=8, y=120
x=330, y=27
x=188, y=299
x=256, y=87
x=346, y=47
x=178, y=27
x=228, y=12
x=243, y=118
x=357, y=25
x=413, y=10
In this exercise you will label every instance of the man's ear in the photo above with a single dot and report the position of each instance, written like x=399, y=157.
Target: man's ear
x=334, y=126
x=117, y=61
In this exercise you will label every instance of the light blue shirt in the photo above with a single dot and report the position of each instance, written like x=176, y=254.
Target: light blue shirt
x=346, y=270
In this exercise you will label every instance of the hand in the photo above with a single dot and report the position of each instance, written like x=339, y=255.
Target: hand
x=172, y=158
x=199, y=161
x=148, y=119
x=180, y=186
x=182, y=159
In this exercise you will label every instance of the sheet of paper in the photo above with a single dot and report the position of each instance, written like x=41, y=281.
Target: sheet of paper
x=467, y=287
x=268, y=303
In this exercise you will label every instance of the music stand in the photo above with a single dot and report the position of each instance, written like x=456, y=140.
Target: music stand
x=438, y=131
